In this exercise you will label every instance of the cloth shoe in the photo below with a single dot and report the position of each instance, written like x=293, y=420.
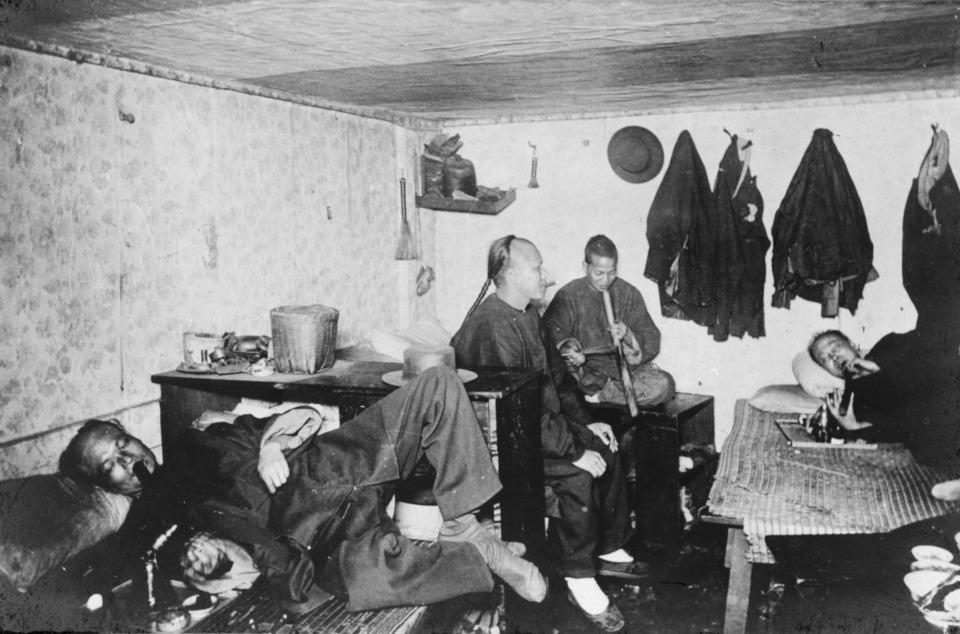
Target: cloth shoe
x=628, y=571
x=500, y=556
x=610, y=620
x=620, y=564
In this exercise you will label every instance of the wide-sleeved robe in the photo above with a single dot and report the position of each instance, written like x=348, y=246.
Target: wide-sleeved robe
x=577, y=312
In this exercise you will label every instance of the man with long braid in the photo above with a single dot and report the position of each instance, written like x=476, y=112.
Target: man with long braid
x=580, y=457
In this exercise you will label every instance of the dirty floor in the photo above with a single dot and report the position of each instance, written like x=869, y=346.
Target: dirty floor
x=686, y=594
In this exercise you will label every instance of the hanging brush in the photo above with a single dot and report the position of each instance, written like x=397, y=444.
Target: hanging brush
x=406, y=246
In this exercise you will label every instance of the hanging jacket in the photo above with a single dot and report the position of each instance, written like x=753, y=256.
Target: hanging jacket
x=821, y=246
x=931, y=245
x=681, y=230
x=741, y=248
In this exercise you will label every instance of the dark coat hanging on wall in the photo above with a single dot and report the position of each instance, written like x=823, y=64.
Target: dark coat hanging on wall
x=821, y=246
x=915, y=397
x=681, y=231
x=741, y=248
x=931, y=245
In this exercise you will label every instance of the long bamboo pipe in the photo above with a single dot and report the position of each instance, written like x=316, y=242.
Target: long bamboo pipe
x=625, y=378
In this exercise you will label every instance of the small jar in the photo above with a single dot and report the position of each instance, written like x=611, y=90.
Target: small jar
x=459, y=175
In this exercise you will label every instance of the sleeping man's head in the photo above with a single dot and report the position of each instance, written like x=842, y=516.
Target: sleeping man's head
x=103, y=453
x=834, y=352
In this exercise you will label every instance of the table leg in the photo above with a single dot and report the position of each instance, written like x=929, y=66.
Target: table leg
x=738, y=588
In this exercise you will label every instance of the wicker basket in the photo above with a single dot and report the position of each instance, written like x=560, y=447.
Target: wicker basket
x=304, y=338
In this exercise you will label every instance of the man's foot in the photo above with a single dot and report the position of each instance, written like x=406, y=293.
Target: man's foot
x=620, y=564
x=590, y=600
x=631, y=571
x=500, y=556
x=618, y=556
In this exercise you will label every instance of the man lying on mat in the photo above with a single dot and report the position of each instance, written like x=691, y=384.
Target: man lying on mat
x=308, y=509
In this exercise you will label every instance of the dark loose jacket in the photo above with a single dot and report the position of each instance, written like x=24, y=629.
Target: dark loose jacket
x=325, y=525
x=681, y=231
x=742, y=245
x=577, y=312
x=931, y=258
x=915, y=398
x=498, y=335
x=821, y=246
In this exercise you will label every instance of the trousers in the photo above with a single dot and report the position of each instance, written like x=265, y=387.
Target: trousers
x=594, y=513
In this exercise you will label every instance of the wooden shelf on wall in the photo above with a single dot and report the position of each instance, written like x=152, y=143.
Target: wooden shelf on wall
x=490, y=208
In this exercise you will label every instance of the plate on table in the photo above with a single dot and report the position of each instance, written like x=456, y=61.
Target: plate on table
x=189, y=369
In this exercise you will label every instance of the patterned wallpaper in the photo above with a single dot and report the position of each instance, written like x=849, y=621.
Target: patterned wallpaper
x=134, y=208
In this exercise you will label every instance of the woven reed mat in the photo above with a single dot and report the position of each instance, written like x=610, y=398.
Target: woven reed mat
x=776, y=489
x=256, y=611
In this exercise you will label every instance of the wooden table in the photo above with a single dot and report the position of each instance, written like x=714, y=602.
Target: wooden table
x=507, y=403
x=659, y=435
x=763, y=486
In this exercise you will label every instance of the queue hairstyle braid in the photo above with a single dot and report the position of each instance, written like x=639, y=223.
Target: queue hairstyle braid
x=497, y=259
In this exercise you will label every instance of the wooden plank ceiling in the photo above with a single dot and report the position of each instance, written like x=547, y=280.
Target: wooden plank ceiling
x=448, y=61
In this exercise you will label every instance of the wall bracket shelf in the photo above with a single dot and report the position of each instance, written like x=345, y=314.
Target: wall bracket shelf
x=489, y=208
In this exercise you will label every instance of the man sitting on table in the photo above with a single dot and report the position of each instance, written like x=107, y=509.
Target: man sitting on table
x=577, y=324
x=309, y=508
x=580, y=457
x=905, y=390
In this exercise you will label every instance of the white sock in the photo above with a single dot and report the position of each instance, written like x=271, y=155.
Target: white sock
x=619, y=556
x=588, y=594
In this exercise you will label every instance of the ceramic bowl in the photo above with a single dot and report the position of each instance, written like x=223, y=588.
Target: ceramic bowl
x=940, y=619
x=934, y=564
x=951, y=603
x=199, y=605
x=922, y=582
x=931, y=552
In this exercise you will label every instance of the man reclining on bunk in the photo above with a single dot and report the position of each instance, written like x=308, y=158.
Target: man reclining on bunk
x=308, y=511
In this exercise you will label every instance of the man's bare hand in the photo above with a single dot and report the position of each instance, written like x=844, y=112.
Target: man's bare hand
x=205, y=554
x=272, y=466
x=619, y=330
x=572, y=353
x=848, y=421
x=604, y=432
x=209, y=417
x=591, y=462
x=862, y=367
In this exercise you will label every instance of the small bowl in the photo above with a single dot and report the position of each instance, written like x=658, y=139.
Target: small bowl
x=951, y=603
x=931, y=552
x=199, y=605
x=940, y=619
x=171, y=620
x=934, y=564
x=922, y=582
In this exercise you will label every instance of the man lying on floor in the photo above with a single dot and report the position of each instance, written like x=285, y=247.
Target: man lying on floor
x=308, y=510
